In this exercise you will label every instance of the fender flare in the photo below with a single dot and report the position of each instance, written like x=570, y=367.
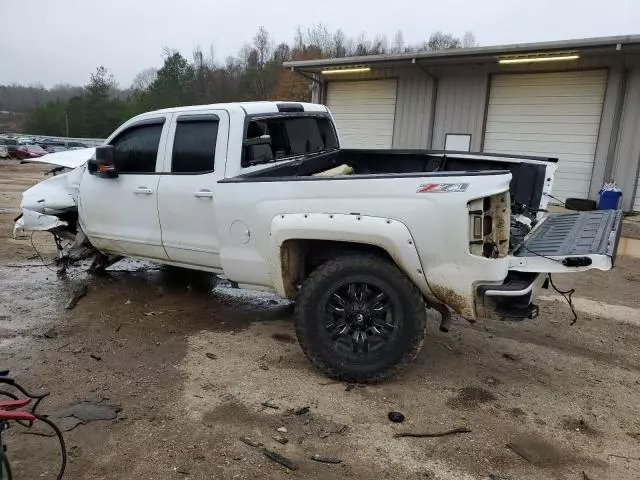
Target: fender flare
x=391, y=235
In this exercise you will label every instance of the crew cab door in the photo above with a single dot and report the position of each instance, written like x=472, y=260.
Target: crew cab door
x=195, y=161
x=120, y=215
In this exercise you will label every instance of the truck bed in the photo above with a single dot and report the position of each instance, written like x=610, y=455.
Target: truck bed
x=528, y=173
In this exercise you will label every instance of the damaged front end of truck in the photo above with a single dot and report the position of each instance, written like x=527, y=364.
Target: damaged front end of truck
x=52, y=206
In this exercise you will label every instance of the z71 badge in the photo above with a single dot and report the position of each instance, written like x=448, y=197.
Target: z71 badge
x=442, y=187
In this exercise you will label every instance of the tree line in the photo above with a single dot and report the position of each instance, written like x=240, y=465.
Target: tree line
x=255, y=73
x=20, y=98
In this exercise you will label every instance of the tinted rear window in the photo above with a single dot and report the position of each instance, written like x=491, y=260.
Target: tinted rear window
x=194, y=146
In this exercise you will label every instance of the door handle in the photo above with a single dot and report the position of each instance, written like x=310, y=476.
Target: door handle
x=203, y=194
x=142, y=191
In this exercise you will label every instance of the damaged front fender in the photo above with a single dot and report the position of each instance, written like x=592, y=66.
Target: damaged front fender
x=54, y=195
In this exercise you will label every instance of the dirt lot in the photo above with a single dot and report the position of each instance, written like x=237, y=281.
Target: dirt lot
x=565, y=397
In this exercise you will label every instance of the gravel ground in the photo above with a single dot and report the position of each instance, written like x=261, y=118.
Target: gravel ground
x=190, y=367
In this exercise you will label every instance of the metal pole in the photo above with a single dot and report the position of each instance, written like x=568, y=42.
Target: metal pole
x=66, y=123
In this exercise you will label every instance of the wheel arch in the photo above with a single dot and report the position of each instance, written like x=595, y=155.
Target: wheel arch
x=301, y=242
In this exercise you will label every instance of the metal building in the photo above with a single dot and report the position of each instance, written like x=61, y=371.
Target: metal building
x=577, y=100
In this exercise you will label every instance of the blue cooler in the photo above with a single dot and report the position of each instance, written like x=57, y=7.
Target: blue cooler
x=609, y=199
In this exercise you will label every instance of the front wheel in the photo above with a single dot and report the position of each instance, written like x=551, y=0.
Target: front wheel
x=360, y=319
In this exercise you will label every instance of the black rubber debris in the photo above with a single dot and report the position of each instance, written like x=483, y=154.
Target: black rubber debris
x=396, y=417
x=276, y=457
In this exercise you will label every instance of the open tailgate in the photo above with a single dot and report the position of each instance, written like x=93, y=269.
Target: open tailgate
x=570, y=242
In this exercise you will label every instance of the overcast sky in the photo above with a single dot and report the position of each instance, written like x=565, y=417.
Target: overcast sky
x=53, y=41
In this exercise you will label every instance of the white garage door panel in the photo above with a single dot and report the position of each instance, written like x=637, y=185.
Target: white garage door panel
x=549, y=114
x=545, y=148
x=557, y=78
x=576, y=169
x=557, y=129
x=547, y=91
x=539, y=137
x=548, y=119
x=570, y=110
x=364, y=112
x=546, y=100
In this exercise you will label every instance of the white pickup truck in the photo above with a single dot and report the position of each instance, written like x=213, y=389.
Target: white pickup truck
x=364, y=240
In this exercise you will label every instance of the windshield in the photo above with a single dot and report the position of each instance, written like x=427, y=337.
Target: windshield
x=270, y=139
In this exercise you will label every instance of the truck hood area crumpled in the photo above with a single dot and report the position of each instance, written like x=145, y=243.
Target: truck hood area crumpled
x=68, y=159
x=44, y=201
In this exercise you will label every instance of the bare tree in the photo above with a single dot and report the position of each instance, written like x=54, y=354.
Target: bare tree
x=168, y=52
x=144, y=79
x=469, y=40
x=339, y=48
x=379, y=45
x=318, y=36
x=442, y=41
x=282, y=53
x=262, y=45
x=198, y=58
x=398, y=42
x=298, y=40
x=247, y=56
x=363, y=45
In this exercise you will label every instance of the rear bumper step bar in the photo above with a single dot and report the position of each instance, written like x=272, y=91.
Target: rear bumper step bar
x=512, y=299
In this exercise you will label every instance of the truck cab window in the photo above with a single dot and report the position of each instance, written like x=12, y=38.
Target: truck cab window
x=194, y=146
x=287, y=136
x=136, y=149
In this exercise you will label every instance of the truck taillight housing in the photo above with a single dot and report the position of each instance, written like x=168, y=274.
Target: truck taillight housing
x=489, y=224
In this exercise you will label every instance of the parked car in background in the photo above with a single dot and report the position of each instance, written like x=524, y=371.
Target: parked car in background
x=55, y=148
x=75, y=145
x=11, y=144
x=25, y=152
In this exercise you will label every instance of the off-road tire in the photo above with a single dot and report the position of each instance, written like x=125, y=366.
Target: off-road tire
x=409, y=312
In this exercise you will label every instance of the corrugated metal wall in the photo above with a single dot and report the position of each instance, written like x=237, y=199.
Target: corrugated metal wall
x=413, y=104
x=625, y=170
x=460, y=106
x=413, y=111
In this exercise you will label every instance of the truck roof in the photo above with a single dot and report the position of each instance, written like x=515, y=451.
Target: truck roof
x=248, y=108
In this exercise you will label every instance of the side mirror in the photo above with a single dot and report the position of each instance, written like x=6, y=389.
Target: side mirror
x=104, y=164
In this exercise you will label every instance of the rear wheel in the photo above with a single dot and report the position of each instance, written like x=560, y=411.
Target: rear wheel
x=360, y=319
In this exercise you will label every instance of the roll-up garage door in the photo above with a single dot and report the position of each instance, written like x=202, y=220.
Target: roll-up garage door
x=549, y=114
x=364, y=112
